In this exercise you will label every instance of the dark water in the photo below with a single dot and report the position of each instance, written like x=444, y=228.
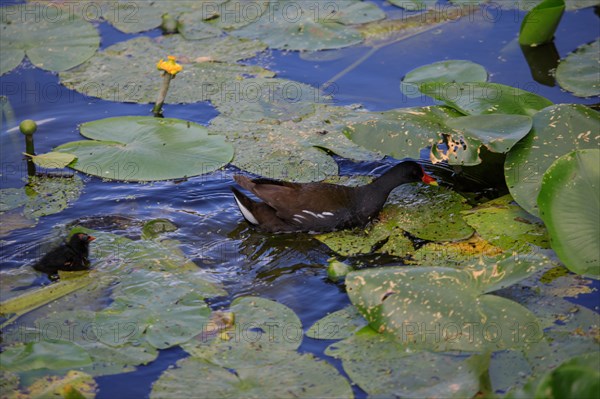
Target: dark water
x=289, y=269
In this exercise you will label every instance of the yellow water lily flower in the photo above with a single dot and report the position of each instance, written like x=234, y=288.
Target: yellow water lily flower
x=169, y=66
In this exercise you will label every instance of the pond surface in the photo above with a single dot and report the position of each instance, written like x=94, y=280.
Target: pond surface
x=290, y=269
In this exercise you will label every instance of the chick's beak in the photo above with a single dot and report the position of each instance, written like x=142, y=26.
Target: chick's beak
x=429, y=180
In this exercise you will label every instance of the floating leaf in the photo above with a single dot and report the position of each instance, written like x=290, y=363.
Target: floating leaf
x=56, y=41
x=292, y=375
x=383, y=367
x=449, y=71
x=540, y=23
x=52, y=160
x=309, y=26
x=440, y=308
x=43, y=355
x=139, y=148
x=414, y=5
x=557, y=130
x=454, y=254
x=578, y=73
x=485, y=98
x=428, y=212
x=400, y=133
x=156, y=227
x=263, y=329
x=569, y=203
x=337, y=325
x=74, y=385
x=358, y=242
x=125, y=72
x=507, y=225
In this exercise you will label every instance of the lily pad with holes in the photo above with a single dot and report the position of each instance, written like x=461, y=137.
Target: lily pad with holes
x=400, y=133
x=383, y=367
x=578, y=73
x=410, y=303
x=449, y=71
x=126, y=71
x=557, y=130
x=455, y=254
x=569, y=203
x=506, y=225
x=318, y=25
x=289, y=375
x=263, y=329
x=295, y=149
x=138, y=148
x=54, y=40
x=480, y=98
x=337, y=325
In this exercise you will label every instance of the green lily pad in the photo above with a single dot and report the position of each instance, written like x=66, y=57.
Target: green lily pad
x=234, y=14
x=43, y=355
x=126, y=71
x=428, y=212
x=507, y=225
x=557, y=130
x=55, y=42
x=440, y=308
x=52, y=160
x=383, y=367
x=192, y=26
x=359, y=242
x=450, y=71
x=337, y=325
x=569, y=203
x=138, y=148
x=309, y=26
x=578, y=73
x=414, y=5
x=540, y=23
x=454, y=254
x=263, y=329
x=292, y=376
x=480, y=98
x=400, y=133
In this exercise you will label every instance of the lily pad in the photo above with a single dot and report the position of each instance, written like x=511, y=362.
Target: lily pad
x=569, y=202
x=52, y=160
x=383, y=367
x=42, y=355
x=263, y=329
x=557, y=130
x=292, y=376
x=507, y=225
x=126, y=71
x=480, y=98
x=450, y=71
x=338, y=325
x=318, y=25
x=440, y=308
x=578, y=73
x=74, y=385
x=138, y=148
x=56, y=42
x=454, y=254
x=400, y=133
x=156, y=227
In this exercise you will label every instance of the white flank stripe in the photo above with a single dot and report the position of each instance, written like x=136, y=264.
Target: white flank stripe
x=327, y=214
x=246, y=212
x=297, y=220
x=299, y=216
x=310, y=213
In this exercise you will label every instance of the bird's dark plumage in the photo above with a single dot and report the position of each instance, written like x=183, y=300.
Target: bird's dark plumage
x=320, y=207
x=70, y=256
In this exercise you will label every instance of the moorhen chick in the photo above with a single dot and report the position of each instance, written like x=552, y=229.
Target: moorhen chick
x=320, y=207
x=70, y=256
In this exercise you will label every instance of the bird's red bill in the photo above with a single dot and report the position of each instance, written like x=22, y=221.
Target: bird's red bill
x=91, y=238
x=429, y=180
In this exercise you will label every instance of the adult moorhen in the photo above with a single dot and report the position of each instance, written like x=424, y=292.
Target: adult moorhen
x=70, y=256
x=320, y=207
